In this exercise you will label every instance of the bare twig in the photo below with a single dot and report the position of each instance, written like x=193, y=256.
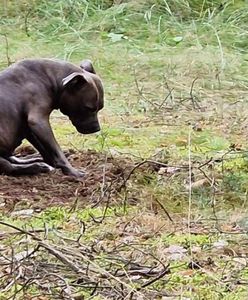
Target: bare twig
x=26, y=27
x=21, y=230
x=192, y=97
x=131, y=172
x=169, y=95
x=104, y=213
x=9, y=62
x=165, y=211
x=140, y=91
x=161, y=275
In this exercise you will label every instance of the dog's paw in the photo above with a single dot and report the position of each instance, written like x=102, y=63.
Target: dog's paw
x=74, y=173
x=81, y=174
x=77, y=174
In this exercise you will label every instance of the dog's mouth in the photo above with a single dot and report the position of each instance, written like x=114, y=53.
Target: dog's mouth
x=84, y=128
x=88, y=130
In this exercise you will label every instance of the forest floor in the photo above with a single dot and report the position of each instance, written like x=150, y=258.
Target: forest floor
x=161, y=212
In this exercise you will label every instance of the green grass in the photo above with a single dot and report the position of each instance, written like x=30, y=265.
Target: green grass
x=146, y=51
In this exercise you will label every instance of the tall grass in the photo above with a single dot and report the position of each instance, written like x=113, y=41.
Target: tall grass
x=168, y=22
x=107, y=28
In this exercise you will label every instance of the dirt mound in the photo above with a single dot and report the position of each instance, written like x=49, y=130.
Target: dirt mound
x=104, y=176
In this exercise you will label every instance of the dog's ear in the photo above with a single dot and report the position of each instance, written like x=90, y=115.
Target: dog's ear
x=87, y=66
x=74, y=79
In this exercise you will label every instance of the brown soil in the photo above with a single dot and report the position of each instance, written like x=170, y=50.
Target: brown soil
x=104, y=175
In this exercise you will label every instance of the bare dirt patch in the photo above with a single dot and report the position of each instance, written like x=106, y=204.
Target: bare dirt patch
x=103, y=178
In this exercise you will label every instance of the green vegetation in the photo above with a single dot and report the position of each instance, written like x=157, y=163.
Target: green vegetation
x=175, y=78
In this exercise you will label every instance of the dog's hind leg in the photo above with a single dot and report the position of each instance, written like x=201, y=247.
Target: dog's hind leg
x=8, y=168
x=25, y=160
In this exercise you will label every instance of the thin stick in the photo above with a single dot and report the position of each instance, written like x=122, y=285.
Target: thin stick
x=165, y=211
x=192, y=97
x=7, y=49
x=190, y=193
x=162, y=274
x=26, y=27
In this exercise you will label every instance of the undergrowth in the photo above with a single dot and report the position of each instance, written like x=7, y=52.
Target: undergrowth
x=175, y=81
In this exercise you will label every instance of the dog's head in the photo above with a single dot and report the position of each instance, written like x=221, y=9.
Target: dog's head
x=82, y=98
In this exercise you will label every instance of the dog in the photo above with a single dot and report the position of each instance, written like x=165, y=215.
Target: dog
x=29, y=91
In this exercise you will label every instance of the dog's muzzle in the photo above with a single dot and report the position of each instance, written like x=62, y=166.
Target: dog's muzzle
x=88, y=130
x=86, y=127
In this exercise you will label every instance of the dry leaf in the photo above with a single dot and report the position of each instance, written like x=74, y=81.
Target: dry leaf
x=199, y=183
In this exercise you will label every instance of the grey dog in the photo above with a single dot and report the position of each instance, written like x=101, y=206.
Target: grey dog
x=29, y=91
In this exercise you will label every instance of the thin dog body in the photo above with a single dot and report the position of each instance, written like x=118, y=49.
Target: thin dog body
x=29, y=91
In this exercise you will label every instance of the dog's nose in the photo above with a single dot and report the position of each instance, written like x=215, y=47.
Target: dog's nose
x=89, y=129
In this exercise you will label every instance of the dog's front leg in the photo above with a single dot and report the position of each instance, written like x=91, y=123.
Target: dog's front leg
x=40, y=135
